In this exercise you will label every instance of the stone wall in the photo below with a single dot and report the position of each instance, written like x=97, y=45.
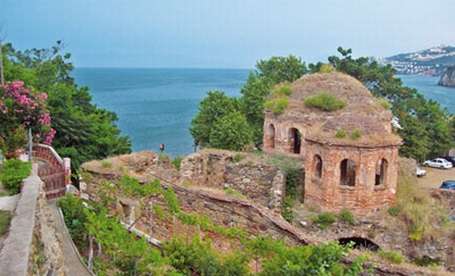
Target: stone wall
x=251, y=177
x=47, y=257
x=28, y=226
x=221, y=208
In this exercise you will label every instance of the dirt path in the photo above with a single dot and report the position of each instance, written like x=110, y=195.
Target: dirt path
x=434, y=177
x=72, y=261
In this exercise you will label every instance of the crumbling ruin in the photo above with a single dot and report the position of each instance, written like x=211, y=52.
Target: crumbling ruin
x=350, y=155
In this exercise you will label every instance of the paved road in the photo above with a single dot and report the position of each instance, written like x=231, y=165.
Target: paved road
x=72, y=261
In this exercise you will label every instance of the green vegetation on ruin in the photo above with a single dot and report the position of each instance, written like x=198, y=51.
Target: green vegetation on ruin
x=277, y=105
x=125, y=253
x=325, y=101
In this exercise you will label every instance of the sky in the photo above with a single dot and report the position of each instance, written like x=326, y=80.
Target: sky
x=224, y=33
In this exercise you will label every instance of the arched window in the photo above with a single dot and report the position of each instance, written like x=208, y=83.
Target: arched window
x=317, y=166
x=381, y=172
x=347, y=172
x=295, y=139
x=270, y=138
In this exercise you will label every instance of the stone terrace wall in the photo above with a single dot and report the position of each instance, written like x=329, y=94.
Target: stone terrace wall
x=16, y=250
x=23, y=244
x=221, y=208
x=262, y=183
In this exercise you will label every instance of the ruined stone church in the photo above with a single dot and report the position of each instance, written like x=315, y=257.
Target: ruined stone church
x=350, y=155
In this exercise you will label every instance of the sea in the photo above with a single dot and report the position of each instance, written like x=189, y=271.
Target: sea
x=155, y=106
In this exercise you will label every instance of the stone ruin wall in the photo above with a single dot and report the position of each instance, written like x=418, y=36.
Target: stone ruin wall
x=262, y=183
x=222, y=209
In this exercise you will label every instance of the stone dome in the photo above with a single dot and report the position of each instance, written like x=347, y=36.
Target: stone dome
x=363, y=112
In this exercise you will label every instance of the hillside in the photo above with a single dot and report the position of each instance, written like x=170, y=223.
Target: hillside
x=429, y=61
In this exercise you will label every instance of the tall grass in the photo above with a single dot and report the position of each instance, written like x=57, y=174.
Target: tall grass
x=424, y=216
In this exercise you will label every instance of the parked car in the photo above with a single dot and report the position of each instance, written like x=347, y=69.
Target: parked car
x=448, y=185
x=451, y=159
x=420, y=172
x=438, y=163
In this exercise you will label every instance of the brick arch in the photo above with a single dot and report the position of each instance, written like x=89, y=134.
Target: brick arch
x=360, y=242
x=348, y=172
x=381, y=172
x=295, y=139
x=317, y=166
x=270, y=136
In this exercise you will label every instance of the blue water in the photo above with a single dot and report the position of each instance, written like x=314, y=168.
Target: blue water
x=156, y=106
x=429, y=87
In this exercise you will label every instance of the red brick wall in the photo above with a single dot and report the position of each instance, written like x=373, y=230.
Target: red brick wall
x=327, y=192
x=365, y=196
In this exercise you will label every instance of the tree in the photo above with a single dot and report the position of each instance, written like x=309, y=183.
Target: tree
x=426, y=128
x=20, y=109
x=84, y=131
x=258, y=87
x=216, y=105
x=281, y=69
x=231, y=132
x=267, y=74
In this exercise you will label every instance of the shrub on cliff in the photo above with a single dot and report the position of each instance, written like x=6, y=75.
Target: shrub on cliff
x=231, y=132
x=83, y=130
x=12, y=173
x=22, y=108
x=215, y=106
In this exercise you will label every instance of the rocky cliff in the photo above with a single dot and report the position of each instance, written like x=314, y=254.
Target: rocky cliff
x=448, y=78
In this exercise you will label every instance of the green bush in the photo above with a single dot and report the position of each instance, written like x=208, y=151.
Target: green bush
x=325, y=102
x=132, y=187
x=277, y=105
x=326, y=68
x=346, y=216
x=282, y=90
x=341, y=133
x=75, y=219
x=392, y=256
x=286, y=210
x=356, y=134
x=231, y=132
x=323, y=259
x=5, y=219
x=177, y=161
x=394, y=211
x=107, y=164
x=238, y=157
x=13, y=173
x=324, y=219
x=198, y=257
x=384, y=103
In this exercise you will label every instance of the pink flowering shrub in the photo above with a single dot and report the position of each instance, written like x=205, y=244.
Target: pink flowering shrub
x=22, y=108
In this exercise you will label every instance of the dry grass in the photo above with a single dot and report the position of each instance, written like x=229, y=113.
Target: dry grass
x=424, y=216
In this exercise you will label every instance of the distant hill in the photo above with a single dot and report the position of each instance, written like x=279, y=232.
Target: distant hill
x=431, y=61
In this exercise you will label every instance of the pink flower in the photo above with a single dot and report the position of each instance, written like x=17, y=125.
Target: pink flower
x=45, y=119
x=49, y=137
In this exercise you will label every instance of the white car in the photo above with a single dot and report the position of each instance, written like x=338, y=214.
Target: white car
x=438, y=163
x=420, y=172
